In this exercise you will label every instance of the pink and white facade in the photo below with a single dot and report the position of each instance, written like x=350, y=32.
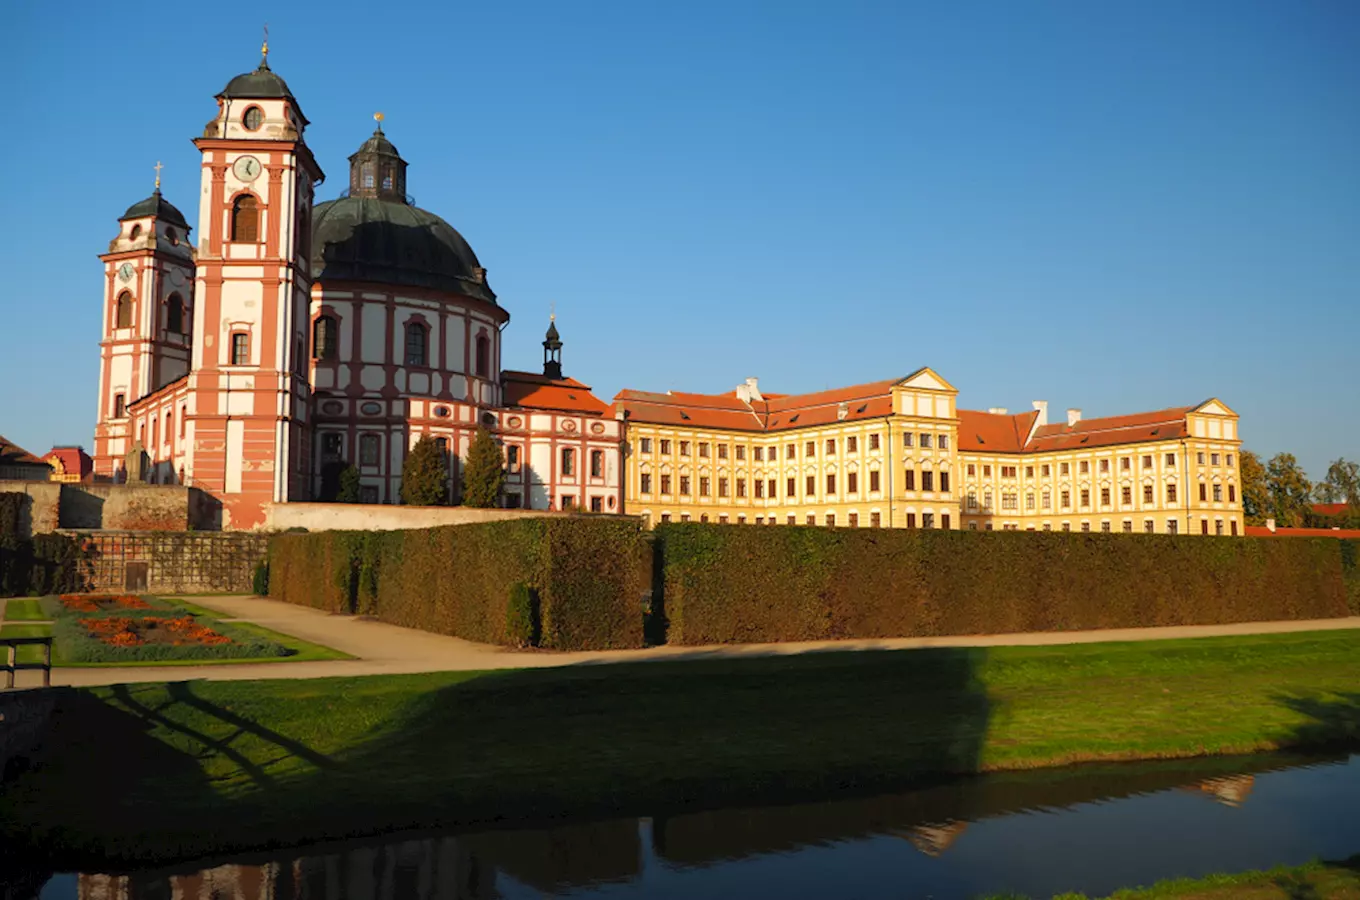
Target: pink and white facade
x=297, y=338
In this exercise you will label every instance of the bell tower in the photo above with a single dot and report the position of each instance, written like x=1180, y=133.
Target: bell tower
x=249, y=415
x=145, y=340
x=552, y=350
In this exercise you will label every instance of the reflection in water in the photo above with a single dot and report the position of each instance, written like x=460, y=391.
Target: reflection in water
x=1092, y=829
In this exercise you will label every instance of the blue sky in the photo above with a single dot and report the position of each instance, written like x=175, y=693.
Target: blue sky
x=1113, y=206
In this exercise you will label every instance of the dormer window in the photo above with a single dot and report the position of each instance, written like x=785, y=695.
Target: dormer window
x=253, y=119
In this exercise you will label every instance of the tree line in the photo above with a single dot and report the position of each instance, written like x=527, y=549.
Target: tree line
x=1279, y=490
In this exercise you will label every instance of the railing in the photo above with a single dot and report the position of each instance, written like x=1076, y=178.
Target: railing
x=345, y=194
x=13, y=665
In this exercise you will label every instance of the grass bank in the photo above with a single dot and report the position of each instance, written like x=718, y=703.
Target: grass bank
x=1333, y=880
x=22, y=609
x=183, y=770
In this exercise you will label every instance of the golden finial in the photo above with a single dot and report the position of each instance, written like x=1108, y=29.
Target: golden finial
x=158, y=168
x=378, y=117
x=552, y=311
x=264, y=48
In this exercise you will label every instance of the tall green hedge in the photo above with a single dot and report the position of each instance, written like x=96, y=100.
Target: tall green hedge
x=584, y=579
x=726, y=584
x=41, y=564
x=1350, y=569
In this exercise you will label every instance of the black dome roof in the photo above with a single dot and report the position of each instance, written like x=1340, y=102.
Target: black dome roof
x=157, y=206
x=387, y=242
x=262, y=84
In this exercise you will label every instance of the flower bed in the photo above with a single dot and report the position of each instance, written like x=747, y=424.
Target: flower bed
x=120, y=631
x=97, y=603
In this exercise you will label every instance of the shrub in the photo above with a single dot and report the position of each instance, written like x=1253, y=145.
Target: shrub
x=43, y=564
x=348, y=491
x=1350, y=572
x=587, y=576
x=484, y=472
x=725, y=584
x=424, y=478
x=259, y=583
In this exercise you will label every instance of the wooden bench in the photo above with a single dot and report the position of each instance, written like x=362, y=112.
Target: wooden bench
x=13, y=665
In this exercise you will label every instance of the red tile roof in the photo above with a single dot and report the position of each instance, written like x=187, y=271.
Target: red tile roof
x=14, y=455
x=774, y=412
x=1161, y=425
x=74, y=460
x=1262, y=531
x=530, y=390
x=994, y=432
x=1330, y=509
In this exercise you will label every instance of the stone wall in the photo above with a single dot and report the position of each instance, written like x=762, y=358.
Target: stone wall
x=42, y=513
x=128, y=507
x=378, y=517
x=175, y=562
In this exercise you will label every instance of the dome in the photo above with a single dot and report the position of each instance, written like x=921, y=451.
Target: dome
x=157, y=206
x=390, y=242
x=262, y=84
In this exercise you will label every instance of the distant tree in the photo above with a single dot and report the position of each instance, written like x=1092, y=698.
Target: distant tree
x=424, y=476
x=349, y=485
x=1290, y=490
x=1341, y=484
x=1255, y=491
x=484, y=472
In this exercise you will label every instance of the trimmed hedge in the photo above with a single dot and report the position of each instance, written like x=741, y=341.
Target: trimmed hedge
x=724, y=584
x=1350, y=572
x=576, y=583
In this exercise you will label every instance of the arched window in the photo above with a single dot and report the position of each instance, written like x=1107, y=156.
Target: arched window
x=483, y=356
x=136, y=232
x=325, y=338
x=170, y=428
x=368, y=450
x=367, y=175
x=416, y=343
x=174, y=315
x=122, y=316
x=245, y=219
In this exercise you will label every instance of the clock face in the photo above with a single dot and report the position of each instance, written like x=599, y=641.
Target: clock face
x=125, y=271
x=246, y=168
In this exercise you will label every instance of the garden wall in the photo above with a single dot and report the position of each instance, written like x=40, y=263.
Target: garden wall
x=728, y=584
x=569, y=583
x=384, y=517
x=173, y=562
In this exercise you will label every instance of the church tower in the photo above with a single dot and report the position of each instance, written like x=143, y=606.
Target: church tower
x=552, y=350
x=148, y=310
x=249, y=400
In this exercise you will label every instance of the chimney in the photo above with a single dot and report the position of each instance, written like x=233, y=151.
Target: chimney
x=1270, y=524
x=1042, y=407
x=998, y=410
x=1073, y=417
x=749, y=391
x=842, y=410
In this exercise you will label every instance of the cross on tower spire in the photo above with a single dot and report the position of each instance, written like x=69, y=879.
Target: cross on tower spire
x=158, y=168
x=264, y=48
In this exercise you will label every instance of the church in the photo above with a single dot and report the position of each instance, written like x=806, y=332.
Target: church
x=289, y=339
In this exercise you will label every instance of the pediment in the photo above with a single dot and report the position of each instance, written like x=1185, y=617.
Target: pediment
x=1214, y=407
x=926, y=379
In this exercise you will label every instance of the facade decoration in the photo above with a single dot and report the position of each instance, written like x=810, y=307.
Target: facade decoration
x=901, y=454
x=292, y=339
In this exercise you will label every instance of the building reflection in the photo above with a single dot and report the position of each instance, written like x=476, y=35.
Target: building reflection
x=1230, y=791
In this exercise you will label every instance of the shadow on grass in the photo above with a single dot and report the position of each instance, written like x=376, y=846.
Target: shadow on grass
x=1333, y=720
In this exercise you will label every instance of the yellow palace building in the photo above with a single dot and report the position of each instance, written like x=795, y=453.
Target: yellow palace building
x=901, y=454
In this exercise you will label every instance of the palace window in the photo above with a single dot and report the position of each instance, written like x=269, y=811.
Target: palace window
x=831, y=447
x=1085, y=497
x=1203, y=493
x=684, y=448
x=174, y=314
x=119, y=406
x=1105, y=527
x=1126, y=495
x=1047, y=500
x=665, y=446
x=811, y=519
x=792, y=489
x=417, y=344
x=512, y=459
x=596, y=463
x=122, y=311
x=1149, y=526
x=1203, y=526
x=684, y=485
x=1199, y=457
x=332, y=445
x=987, y=471
x=972, y=470
x=852, y=482
x=245, y=219
x=1085, y=467
x=1218, y=526
x=873, y=442
x=569, y=502
x=906, y=439
x=240, y=349
x=987, y=500
x=483, y=356
x=1008, y=471
x=1104, y=496
x=741, y=487
x=831, y=482
x=927, y=480
x=854, y=520
x=771, y=490
x=1172, y=526
x=1234, y=528
x=972, y=500
x=368, y=450
x=741, y=452
x=1171, y=460
x=1066, y=498
x=722, y=451
x=568, y=461
x=325, y=338
x=760, y=489
x=1229, y=459
x=909, y=480
x=1067, y=526
x=703, y=485
x=1029, y=501
x=811, y=449
x=943, y=444
x=646, y=486
x=665, y=484
x=927, y=520
x=1064, y=468
x=1007, y=500
x=873, y=481
x=645, y=445
x=792, y=519
x=703, y=449
x=811, y=485
x=852, y=444
x=830, y=520
x=1218, y=493
x=875, y=520
x=1085, y=526
x=1170, y=493
x=368, y=493
x=1147, y=493
x=170, y=428
x=1147, y=461
x=1232, y=494
x=759, y=454
x=925, y=441
x=911, y=520
x=1044, y=470
x=1213, y=459
x=1029, y=471
x=788, y=452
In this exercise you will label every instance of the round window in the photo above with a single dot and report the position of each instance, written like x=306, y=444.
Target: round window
x=332, y=407
x=442, y=412
x=371, y=408
x=135, y=233
x=253, y=118
x=488, y=419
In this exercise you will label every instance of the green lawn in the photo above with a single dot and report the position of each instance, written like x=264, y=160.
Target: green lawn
x=137, y=770
x=23, y=609
x=26, y=654
x=1317, y=880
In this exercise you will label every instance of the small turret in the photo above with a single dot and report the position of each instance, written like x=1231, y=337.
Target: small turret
x=552, y=350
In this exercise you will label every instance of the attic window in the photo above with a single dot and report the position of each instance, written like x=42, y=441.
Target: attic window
x=1085, y=439
x=795, y=418
x=571, y=396
x=684, y=415
x=862, y=408
x=980, y=440
x=1156, y=431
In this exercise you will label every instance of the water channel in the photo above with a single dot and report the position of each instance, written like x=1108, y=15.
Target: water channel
x=1092, y=829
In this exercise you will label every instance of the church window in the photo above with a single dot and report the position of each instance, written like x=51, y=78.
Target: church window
x=123, y=311
x=568, y=461
x=325, y=338
x=596, y=463
x=387, y=180
x=174, y=315
x=183, y=417
x=416, y=336
x=368, y=450
x=483, y=356
x=169, y=428
x=119, y=406
x=253, y=119
x=240, y=349
x=245, y=219
x=367, y=175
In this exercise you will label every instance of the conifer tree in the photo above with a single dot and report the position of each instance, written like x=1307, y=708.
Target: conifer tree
x=424, y=477
x=484, y=472
x=349, y=485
